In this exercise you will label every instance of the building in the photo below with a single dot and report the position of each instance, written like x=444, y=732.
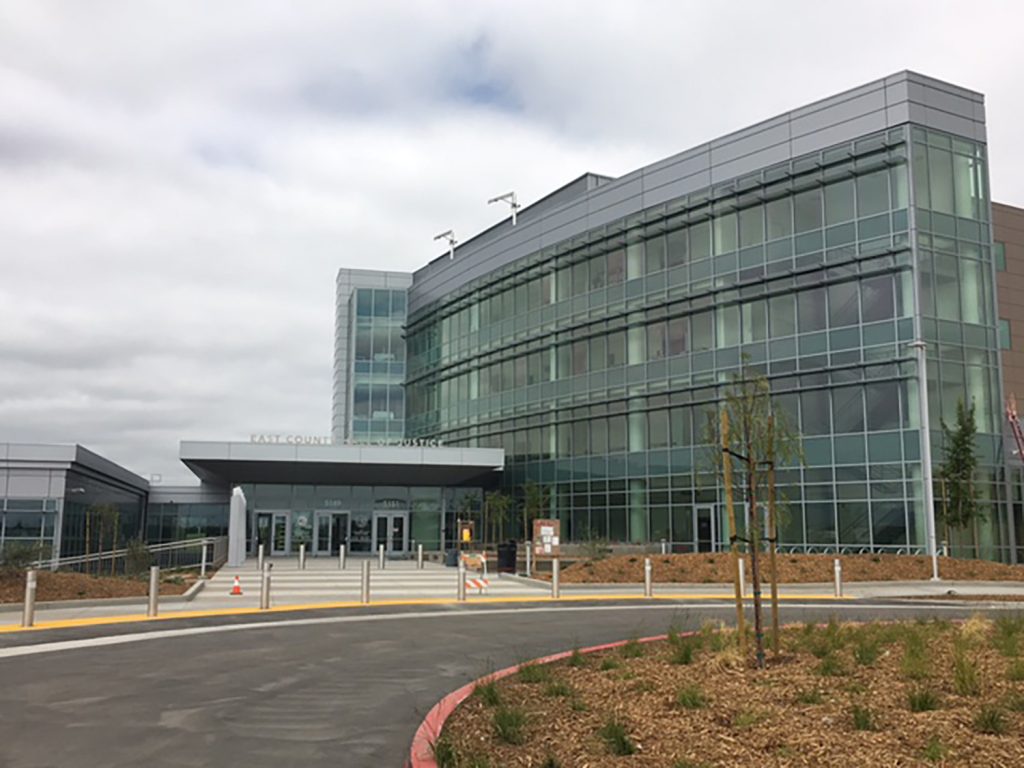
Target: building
x=585, y=346
x=591, y=339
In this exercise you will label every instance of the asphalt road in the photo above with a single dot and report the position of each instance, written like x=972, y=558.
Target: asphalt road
x=305, y=690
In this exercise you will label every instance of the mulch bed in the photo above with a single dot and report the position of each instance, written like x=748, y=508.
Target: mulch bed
x=790, y=714
x=708, y=568
x=78, y=586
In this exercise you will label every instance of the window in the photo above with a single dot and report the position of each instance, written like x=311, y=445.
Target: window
x=655, y=254
x=597, y=275
x=725, y=233
x=807, y=210
x=839, y=202
x=616, y=267
x=783, y=315
x=877, y=298
x=656, y=347
x=676, y=248
x=842, y=304
x=847, y=410
x=616, y=349
x=751, y=226
x=779, y=215
x=1004, y=334
x=677, y=335
x=872, y=193
x=883, y=405
x=999, y=255
x=700, y=241
x=598, y=361
x=814, y=416
x=701, y=331
x=811, y=310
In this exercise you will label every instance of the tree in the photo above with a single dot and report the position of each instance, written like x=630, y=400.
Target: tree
x=755, y=438
x=497, y=506
x=536, y=501
x=960, y=498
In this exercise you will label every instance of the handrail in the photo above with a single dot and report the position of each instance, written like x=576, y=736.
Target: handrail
x=216, y=544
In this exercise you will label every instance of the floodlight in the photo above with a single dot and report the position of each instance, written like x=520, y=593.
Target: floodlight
x=448, y=235
x=510, y=198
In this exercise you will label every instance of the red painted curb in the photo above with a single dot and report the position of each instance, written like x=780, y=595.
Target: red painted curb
x=421, y=753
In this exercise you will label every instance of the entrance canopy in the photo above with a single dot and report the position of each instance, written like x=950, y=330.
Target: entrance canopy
x=225, y=463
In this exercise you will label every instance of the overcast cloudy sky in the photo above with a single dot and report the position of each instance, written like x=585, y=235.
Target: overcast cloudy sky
x=180, y=180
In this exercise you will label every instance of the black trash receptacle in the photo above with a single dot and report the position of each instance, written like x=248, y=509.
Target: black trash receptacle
x=451, y=558
x=507, y=557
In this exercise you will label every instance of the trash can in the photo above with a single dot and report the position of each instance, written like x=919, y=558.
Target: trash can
x=507, y=557
x=451, y=558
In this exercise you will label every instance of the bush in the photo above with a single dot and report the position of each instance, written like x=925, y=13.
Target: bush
x=444, y=753
x=831, y=666
x=608, y=664
x=922, y=700
x=866, y=651
x=19, y=555
x=534, y=673
x=137, y=558
x=1007, y=631
x=617, y=738
x=557, y=688
x=691, y=697
x=488, y=693
x=965, y=669
x=934, y=751
x=683, y=652
x=990, y=720
x=577, y=659
x=508, y=725
x=915, y=664
x=632, y=649
x=863, y=718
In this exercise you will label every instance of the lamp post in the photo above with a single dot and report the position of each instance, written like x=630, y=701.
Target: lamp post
x=920, y=348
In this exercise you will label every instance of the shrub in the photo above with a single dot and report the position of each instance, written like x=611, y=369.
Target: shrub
x=863, y=718
x=1007, y=631
x=915, y=664
x=444, y=753
x=557, y=688
x=616, y=738
x=508, y=725
x=934, y=751
x=922, y=700
x=866, y=651
x=809, y=697
x=534, y=673
x=19, y=555
x=577, y=659
x=990, y=720
x=632, y=649
x=831, y=666
x=609, y=663
x=1015, y=702
x=683, y=652
x=137, y=558
x=488, y=693
x=965, y=669
x=691, y=697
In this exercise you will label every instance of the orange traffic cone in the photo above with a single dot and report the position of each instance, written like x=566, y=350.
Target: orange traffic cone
x=237, y=589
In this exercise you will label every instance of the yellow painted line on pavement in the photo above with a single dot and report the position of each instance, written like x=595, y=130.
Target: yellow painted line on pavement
x=95, y=621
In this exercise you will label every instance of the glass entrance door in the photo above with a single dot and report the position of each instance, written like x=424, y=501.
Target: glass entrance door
x=705, y=528
x=331, y=532
x=392, y=530
x=282, y=533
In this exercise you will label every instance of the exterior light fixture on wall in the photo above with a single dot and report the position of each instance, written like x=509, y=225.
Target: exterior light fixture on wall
x=510, y=198
x=448, y=235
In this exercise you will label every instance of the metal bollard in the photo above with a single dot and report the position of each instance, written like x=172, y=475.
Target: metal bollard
x=648, y=588
x=742, y=566
x=265, y=586
x=202, y=566
x=556, y=590
x=259, y=558
x=364, y=595
x=28, y=614
x=664, y=547
x=154, y=590
x=529, y=559
x=838, y=566
x=341, y=557
x=419, y=556
x=302, y=557
x=380, y=557
x=460, y=592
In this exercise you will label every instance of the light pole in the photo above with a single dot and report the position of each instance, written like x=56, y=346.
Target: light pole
x=920, y=348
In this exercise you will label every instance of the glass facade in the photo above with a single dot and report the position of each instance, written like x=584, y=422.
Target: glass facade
x=28, y=523
x=595, y=362
x=172, y=521
x=378, y=365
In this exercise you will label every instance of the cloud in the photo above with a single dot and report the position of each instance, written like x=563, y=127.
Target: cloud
x=179, y=182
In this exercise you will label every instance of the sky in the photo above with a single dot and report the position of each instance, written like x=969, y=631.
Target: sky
x=180, y=181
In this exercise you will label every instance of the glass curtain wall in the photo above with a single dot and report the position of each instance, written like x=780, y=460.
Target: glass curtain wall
x=595, y=363
x=378, y=397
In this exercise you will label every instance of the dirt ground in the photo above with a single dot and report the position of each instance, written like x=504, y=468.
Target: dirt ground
x=708, y=568
x=717, y=710
x=77, y=586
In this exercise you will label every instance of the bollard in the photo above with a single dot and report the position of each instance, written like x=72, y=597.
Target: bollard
x=648, y=588
x=555, y=586
x=664, y=547
x=28, y=615
x=265, y=587
x=380, y=557
x=419, y=556
x=364, y=596
x=341, y=557
x=529, y=559
x=202, y=566
x=259, y=558
x=839, y=577
x=302, y=557
x=743, y=575
x=154, y=590
x=460, y=592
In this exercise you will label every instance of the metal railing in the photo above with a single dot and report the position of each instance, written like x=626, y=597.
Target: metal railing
x=205, y=553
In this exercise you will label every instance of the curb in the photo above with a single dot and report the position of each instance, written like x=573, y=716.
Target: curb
x=421, y=753
x=185, y=597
